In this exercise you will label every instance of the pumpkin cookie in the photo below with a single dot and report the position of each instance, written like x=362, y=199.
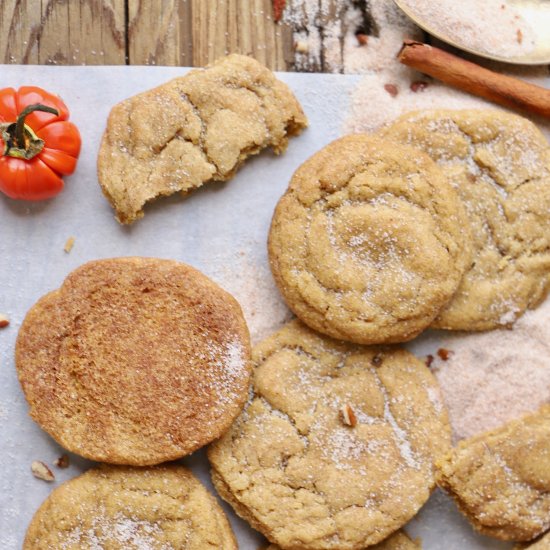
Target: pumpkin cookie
x=397, y=541
x=541, y=544
x=501, y=479
x=134, y=361
x=369, y=242
x=500, y=165
x=193, y=129
x=335, y=447
x=130, y=509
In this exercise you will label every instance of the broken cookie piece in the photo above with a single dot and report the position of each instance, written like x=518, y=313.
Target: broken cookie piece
x=196, y=128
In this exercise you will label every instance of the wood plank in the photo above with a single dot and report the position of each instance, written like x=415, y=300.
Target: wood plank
x=64, y=32
x=159, y=32
x=220, y=27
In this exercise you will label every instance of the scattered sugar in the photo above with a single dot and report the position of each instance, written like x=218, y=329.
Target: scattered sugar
x=493, y=377
x=491, y=26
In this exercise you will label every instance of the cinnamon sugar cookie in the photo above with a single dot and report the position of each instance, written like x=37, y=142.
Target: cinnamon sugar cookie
x=397, y=541
x=123, y=508
x=500, y=165
x=335, y=447
x=193, y=129
x=501, y=479
x=134, y=361
x=369, y=242
x=541, y=544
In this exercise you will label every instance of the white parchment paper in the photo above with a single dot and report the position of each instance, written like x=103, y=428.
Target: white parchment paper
x=221, y=230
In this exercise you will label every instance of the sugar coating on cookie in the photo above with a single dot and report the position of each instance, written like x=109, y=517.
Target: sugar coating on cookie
x=193, y=129
x=397, y=541
x=369, y=242
x=541, y=544
x=134, y=361
x=123, y=508
x=499, y=164
x=335, y=448
x=501, y=479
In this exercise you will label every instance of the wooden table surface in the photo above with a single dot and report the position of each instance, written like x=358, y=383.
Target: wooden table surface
x=141, y=32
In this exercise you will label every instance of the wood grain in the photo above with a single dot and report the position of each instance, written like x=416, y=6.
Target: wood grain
x=65, y=32
x=148, y=32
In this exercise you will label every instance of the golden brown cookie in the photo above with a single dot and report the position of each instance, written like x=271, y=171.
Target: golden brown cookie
x=369, y=242
x=336, y=445
x=193, y=129
x=500, y=165
x=541, y=544
x=122, y=508
x=134, y=361
x=501, y=479
x=397, y=541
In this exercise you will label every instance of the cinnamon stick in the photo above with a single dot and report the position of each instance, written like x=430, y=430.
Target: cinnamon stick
x=505, y=90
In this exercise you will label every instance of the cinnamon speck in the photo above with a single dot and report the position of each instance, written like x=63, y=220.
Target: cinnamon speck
x=444, y=353
x=519, y=36
x=362, y=39
x=391, y=89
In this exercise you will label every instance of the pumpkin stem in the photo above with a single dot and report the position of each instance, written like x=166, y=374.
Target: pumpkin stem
x=19, y=139
x=20, y=124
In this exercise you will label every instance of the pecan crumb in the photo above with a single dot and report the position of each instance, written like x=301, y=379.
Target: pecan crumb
x=4, y=321
x=362, y=38
x=429, y=359
x=41, y=471
x=419, y=86
x=377, y=360
x=444, y=353
x=391, y=89
x=519, y=36
x=69, y=244
x=348, y=416
x=62, y=461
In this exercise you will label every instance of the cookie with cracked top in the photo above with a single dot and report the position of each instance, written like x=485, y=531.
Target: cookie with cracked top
x=193, y=129
x=501, y=479
x=499, y=164
x=335, y=448
x=369, y=242
x=122, y=508
x=134, y=361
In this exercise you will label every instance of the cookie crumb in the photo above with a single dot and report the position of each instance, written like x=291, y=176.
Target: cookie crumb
x=429, y=359
x=377, y=360
x=444, y=353
x=41, y=471
x=69, y=244
x=348, y=416
x=62, y=461
x=4, y=321
x=301, y=47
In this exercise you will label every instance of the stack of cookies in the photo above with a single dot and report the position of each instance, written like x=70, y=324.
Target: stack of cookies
x=443, y=220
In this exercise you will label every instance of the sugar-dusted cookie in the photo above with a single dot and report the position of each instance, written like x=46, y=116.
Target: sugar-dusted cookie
x=336, y=446
x=193, y=129
x=134, y=361
x=501, y=479
x=397, y=541
x=500, y=165
x=123, y=508
x=369, y=242
x=540, y=544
